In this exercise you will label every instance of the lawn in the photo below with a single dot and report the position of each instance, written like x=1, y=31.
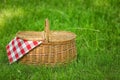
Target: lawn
x=95, y=22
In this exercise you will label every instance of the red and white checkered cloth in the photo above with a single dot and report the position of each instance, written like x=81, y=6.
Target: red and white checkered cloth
x=18, y=48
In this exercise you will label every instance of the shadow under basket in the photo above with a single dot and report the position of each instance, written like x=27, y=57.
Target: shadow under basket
x=58, y=47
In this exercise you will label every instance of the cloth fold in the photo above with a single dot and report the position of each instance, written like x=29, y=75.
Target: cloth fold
x=17, y=48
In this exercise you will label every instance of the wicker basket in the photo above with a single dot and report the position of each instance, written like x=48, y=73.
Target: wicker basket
x=58, y=47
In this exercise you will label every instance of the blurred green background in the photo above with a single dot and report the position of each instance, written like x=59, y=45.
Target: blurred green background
x=95, y=22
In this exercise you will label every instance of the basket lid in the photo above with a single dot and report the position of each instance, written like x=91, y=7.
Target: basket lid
x=47, y=35
x=54, y=36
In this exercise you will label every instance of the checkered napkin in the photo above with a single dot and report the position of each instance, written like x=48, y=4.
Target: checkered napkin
x=18, y=48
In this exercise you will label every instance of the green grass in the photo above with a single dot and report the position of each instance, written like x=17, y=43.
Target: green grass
x=95, y=22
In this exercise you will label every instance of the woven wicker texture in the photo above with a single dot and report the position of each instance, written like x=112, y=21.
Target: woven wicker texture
x=58, y=47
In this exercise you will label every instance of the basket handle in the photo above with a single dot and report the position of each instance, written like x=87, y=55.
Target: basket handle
x=46, y=31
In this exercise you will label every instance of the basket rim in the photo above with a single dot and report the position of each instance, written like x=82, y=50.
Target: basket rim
x=21, y=35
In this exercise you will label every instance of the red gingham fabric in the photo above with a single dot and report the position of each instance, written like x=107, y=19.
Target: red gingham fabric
x=18, y=48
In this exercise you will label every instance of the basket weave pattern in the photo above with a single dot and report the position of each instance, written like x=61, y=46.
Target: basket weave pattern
x=51, y=54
